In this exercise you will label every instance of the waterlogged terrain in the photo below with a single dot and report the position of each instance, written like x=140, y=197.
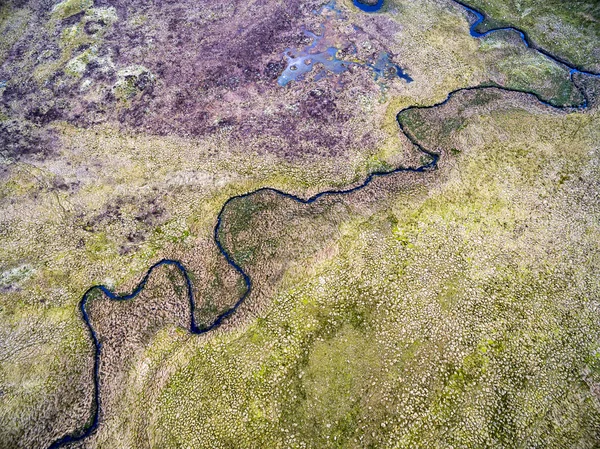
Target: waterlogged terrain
x=568, y=30
x=298, y=65
x=319, y=54
x=349, y=224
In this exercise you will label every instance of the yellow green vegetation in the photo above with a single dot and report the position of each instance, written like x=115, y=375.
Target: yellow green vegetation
x=68, y=8
x=384, y=312
x=459, y=313
x=128, y=82
x=12, y=25
x=74, y=38
x=568, y=29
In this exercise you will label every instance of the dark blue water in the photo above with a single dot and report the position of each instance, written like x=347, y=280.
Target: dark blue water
x=193, y=327
x=480, y=18
x=93, y=422
x=368, y=8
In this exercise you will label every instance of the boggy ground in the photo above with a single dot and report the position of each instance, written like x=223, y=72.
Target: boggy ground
x=123, y=131
x=164, y=68
x=455, y=309
x=568, y=30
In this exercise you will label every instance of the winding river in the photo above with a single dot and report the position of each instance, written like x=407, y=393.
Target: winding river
x=93, y=421
x=366, y=7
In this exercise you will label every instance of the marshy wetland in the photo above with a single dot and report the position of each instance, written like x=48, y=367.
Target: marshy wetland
x=348, y=259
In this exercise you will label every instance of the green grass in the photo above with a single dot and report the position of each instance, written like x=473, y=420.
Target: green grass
x=570, y=30
x=68, y=8
x=327, y=276
x=456, y=317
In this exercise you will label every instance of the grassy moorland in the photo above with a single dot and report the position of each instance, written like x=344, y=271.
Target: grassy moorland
x=452, y=310
x=569, y=30
x=109, y=165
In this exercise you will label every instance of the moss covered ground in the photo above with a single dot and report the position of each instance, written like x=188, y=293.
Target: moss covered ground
x=454, y=312
x=569, y=30
x=448, y=309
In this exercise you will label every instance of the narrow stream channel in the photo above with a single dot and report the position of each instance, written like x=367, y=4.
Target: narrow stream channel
x=93, y=421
